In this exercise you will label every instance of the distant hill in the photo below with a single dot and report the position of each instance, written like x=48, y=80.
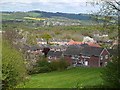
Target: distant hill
x=54, y=18
x=66, y=15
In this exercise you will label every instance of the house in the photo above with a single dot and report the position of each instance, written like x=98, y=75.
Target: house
x=58, y=47
x=72, y=42
x=94, y=56
x=63, y=47
x=72, y=54
x=85, y=55
x=41, y=41
x=32, y=53
x=64, y=42
x=35, y=49
x=55, y=48
x=58, y=41
x=54, y=55
x=88, y=39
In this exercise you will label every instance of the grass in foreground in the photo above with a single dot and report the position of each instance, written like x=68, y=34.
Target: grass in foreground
x=72, y=78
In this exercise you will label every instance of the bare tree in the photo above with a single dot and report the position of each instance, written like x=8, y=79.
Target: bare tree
x=109, y=7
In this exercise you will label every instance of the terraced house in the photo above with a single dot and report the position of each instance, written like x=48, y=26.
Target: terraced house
x=85, y=55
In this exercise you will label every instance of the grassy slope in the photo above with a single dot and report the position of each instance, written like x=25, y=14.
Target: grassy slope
x=18, y=15
x=66, y=79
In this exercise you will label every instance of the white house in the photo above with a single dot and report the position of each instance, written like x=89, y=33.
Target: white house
x=88, y=39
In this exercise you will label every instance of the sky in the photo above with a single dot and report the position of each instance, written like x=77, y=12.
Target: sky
x=65, y=6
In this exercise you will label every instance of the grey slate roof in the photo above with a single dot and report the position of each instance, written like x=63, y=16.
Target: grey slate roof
x=34, y=48
x=84, y=50
x=73, y=50
x=89, y=51
x=84, y=45
x=55, y=53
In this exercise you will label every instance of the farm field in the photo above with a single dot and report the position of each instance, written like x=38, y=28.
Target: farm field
x=71, y=78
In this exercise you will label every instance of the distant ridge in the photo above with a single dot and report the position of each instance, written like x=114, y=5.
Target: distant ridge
x=66, y=15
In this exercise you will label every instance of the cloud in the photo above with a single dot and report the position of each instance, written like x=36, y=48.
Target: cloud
x=46, y=1
x=67, y=6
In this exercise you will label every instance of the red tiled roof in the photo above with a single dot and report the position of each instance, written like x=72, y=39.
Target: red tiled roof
x=74, y=42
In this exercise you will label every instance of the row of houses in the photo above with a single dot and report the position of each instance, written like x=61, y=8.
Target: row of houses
x=60, y=23
x=52, y=41
x=65, y=42
x=82, y=56
x=86, y=39
x=76, y=55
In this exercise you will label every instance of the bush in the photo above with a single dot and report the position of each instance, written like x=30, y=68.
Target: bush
x=37, y=70
x=111, y=73
x=44, y=69
x=43, y=63
x=59, y=65
x=62, y=64
x=41, y=67
x=13, y=67
x=53, y=65
x=44, y=66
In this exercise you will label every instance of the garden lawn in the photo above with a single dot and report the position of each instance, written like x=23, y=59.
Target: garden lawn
x=71, y=78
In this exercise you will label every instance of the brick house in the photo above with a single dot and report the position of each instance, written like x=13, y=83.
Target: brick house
x=94, y=56
x=87, y=56
x=41, y=41
x=58, y=47
x=58, y=41
x=72, y=54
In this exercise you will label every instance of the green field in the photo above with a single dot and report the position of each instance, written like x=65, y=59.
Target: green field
x=72, y=78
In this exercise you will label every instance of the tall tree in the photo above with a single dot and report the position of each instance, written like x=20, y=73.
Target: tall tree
x=46, y=36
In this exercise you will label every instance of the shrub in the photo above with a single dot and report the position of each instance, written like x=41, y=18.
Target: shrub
x=34, y=70
x=44, y=69
x=111, y=73
x=44, y=66
x=62, y=64
x=53, y=65
x=13, y=67
x=37, y=70
x=59, y=65
x=43, y=63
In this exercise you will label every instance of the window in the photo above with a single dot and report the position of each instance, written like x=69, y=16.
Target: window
x=101, y=58
x=106, y=56
x=86, y=63
x=49, y=57
x=105, y=63
x=73, y=57
x=101, y=64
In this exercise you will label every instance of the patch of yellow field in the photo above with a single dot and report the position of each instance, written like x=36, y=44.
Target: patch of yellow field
x=34, y=18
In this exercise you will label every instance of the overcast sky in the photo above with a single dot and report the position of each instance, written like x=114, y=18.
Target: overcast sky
x=65, y=6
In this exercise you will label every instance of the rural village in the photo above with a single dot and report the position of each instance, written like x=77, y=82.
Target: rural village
x=86, y=53
x=59, y=44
